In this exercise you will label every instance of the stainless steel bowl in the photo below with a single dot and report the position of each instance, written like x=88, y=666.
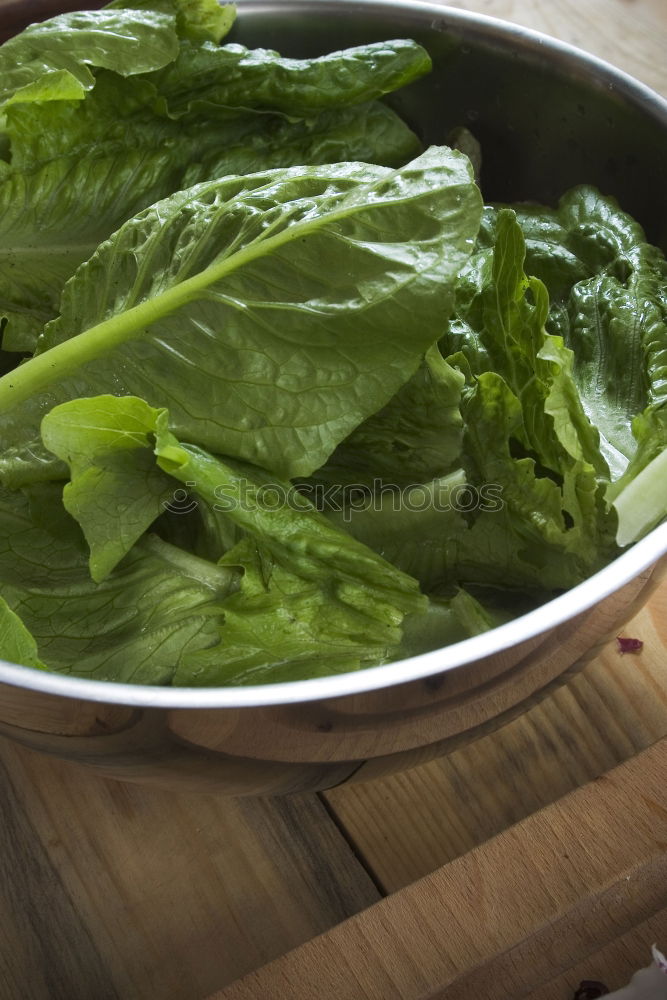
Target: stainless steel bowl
x=548, y=116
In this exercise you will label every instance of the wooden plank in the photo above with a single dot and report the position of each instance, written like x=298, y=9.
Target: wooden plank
x=500, y=921
x=38, y=919
x=409, y=824
x=120, y=890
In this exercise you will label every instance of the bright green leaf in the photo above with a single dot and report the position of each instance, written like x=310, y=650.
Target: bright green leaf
x=16, y=643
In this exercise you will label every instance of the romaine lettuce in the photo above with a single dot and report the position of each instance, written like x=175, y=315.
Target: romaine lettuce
x=106, y=112
x=271, y=313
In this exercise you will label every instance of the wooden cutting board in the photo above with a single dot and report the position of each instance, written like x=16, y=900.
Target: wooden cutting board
x=525, y=915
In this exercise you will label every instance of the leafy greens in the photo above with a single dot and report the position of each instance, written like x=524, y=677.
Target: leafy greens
x=279, y=397
x=166, y=108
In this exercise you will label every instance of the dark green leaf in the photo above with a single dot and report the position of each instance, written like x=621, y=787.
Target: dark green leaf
x=413, y=439
x=233, y=76
x=210, y=303
x=608, y=286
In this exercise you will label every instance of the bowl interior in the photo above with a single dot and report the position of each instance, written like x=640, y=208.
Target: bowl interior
x=547, y=116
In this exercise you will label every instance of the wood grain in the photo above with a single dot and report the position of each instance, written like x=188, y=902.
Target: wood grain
x=615, y=963
x=113, y=890
x=38, y=918
x=411, y=823
x=497, y=923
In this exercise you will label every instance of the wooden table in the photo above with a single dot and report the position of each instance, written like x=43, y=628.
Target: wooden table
x=119, y=891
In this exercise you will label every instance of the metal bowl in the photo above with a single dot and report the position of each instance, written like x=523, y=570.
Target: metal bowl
x=548, y=116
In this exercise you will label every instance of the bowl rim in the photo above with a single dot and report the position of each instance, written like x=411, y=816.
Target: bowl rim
x=630, y=564
x=626, y=567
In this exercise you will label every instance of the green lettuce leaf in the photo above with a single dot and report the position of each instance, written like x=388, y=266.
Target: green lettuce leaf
x=105, y=161
x=371, y=133
x=17, y=645
x=549, y=531
x=447, y=620
x=525, y=426
x=526, y=509
x=311, y=597
x=205, y=20
x=116, y=490
x=104, y=441
x=500, y=326
x=196, y=20
x=126, y=129
x=137, y=625
x=53, y=218
x=235, y=77
x=415, y=438
x=412, y=528
x=285, y=523
x=52, y=60
x=124, y=147
x=501, y=333
x=607, y=284
x=117, y=116
x=28, y=464
x=209, y=303
x=124, y=116
x=280, y=627
x=500, y=522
